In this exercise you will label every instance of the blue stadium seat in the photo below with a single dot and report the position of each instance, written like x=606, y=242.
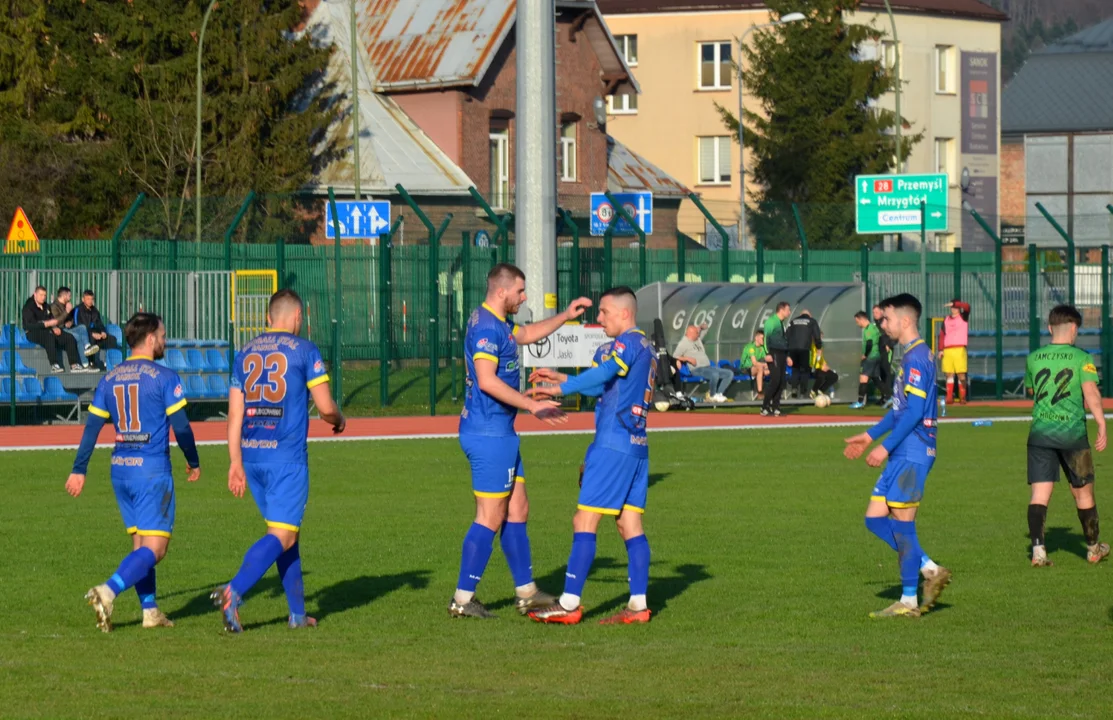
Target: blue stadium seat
x=21, y=340
x=176, y=361
x=217, y=388
x=217, y=360
x=196, y=360
x=116, y=332
x=194, y=387
x=20, y=368
x=112, y=358
x=177, y=343
x=5, y=336
x=54, y=392
x=32, y=388
x=21, y=394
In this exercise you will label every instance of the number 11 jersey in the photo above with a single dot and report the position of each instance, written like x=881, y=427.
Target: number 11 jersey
x=1055, y=374
x=275, y=371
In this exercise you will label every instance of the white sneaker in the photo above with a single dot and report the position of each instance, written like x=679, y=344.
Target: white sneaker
x=91, y=350
x=721, y=398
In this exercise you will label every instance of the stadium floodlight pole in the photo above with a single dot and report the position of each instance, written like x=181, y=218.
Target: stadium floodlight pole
x=785, y=19
x=896, y=69
x=197, y=134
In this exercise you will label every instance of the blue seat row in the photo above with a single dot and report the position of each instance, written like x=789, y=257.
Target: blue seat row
x=21, y=341
x=182, y=344
x=6, y=365
x=687, y=374
x=31, y=390
x=212, y=387
x=193, y=360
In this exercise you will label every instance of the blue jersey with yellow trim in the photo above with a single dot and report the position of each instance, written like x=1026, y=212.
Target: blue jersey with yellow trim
x=917, y=377
x=275, y=371
x=489, y=337
x=623, y=407
x=138, y=397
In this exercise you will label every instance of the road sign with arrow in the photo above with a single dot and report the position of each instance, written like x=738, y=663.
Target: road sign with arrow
x=359, y=219
x=892, y=203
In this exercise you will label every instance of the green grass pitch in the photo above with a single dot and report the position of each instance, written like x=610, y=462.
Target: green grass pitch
x=762, y=578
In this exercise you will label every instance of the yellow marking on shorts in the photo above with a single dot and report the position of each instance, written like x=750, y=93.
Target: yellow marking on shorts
x=601, y=511
x=283, y=526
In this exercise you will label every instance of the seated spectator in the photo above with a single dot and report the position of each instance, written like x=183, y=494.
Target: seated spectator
x=88, y=316
x=690, y=350
x=42, y=329
x=754, y=359
x=825, y=379
x=62, y=310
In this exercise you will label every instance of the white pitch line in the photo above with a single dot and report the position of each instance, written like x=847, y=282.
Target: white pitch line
x=589, y=431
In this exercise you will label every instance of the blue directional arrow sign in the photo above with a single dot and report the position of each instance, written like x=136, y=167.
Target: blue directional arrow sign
x=359, y=219
x=638, y=205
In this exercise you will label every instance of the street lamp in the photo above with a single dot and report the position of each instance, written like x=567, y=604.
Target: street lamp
x=197, y=134
x=785, y=19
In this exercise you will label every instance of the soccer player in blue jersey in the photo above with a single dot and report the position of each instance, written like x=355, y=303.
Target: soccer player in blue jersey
x=491, y=444
x=143, y=401
x=910, y=451
x=273, y=378
x=615, y=477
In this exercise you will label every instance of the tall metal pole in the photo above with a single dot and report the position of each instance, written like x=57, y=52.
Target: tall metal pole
x=197, y=134
x=896, y=62
x=535, y=154
x=357, y=169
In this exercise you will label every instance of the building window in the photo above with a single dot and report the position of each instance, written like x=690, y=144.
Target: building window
x=714, y=160
x=944, y=68
x=714, y=66
x=626, y=104
x=889, y=56
x=628, y=46
x=568, y=152
x=946, y=159
x=499, y=144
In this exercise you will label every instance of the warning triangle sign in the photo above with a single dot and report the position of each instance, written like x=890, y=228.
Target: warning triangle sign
x=21, y=236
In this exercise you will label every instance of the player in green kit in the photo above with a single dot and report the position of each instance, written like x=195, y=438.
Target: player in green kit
x=753, y=359
x=871, y=363
x=1064, y=384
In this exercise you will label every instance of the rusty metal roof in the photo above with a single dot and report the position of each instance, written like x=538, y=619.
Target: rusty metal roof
x=628, y=172
x=422, y=44
x=956, y=8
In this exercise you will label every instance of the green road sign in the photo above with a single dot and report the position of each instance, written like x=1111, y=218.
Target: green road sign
x=891, y=203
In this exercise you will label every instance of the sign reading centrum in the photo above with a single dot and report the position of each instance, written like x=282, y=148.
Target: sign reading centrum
x=891, y=203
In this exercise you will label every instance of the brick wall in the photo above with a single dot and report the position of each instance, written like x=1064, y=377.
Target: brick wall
x=1013, y=201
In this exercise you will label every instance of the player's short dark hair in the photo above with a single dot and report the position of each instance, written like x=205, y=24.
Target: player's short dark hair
x=62, y=291
x=622, y=292
x=1063, y=314
x=40, y=287
x=504, y=273
x=88, y=293
x=139, y=327
x=781, y=306
x=904, y=301
x=282, y=300
x=861, y=315
x=759, y=331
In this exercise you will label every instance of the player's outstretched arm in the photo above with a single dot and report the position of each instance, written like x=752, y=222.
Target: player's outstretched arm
x=237, y=478
x=544, y=328
x=486, y=376
x=183, y=433
x=1092, y=398
x=327, y=407
x=588, y=383
x=76, y=481
x=547, y=375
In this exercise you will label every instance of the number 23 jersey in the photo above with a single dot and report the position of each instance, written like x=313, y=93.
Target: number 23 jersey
x=1055, y=374
x=275, y=371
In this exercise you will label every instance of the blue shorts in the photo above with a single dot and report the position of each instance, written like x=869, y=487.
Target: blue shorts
x=281, y=491
x=496, y=464
x=901, y=484
x=613, y=481
x=146, y=503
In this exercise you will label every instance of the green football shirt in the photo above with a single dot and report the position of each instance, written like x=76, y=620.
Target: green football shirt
x=753, y=353
x=774, y=333
x=1055, y=374
x=871, y=332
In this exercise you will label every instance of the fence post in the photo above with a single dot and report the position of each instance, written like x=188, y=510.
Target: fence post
x=608, y=252
x=999, y=272
x=1106, y=326
x=957, y=257
x=680, y=256
x=386, y=244
x=280, y=260
x=924, y=268
x=116, y=236
x=574, y=267
x=725, y=259
x=803, y=244
x=337, y=361
x=502, y=235
x=866, y=275
x=1033, y=299
x=232, y=229
x=760, y=259
x=11, y=372
x=620, y=212
x=1070, y=251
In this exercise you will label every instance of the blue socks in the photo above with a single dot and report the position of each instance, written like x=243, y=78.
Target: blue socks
x=478, y=544
x=132, y=570
x=289, y=571
x=882, y=527
x=579, y=563
x=145, y=589
x=637, y=550
x=515, y=546
x=256, y=562
x=908, y=548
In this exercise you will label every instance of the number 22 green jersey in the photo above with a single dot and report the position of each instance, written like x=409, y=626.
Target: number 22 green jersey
x=1055, y=374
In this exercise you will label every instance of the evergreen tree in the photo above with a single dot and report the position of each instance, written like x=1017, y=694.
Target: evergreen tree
x=818, y=124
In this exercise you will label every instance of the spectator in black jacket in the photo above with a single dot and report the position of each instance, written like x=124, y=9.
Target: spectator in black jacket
x=42, y=329
x=803, y=333
x=886, y=343
x=88, y=317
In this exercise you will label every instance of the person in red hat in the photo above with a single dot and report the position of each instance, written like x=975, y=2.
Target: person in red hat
x=952, y=349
